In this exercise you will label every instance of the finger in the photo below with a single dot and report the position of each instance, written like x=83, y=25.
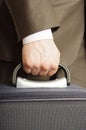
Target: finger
x=43, y=73
x=35, y=71
x=27, y=68
x=44, y=69
x=53, y=70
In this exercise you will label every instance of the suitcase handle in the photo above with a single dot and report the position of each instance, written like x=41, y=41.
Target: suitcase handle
x=61, y=66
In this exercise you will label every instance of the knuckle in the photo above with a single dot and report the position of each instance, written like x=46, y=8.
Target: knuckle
x=44, y=67
x=54, y=67
x=27, y=64
x=52, y=72
x=36, y=67
x=27, y=67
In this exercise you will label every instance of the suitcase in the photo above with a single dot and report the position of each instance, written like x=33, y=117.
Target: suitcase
x=42, y=108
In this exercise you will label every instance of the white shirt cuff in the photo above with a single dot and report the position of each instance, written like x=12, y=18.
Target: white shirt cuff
x=45, y=34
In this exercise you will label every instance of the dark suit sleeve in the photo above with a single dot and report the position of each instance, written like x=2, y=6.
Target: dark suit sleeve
x=31, y=16
x=85, y=24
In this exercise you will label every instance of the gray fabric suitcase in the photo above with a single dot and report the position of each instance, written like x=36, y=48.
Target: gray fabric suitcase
x=42, y=108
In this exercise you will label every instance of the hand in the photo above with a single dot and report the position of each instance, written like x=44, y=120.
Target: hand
x=41, y=58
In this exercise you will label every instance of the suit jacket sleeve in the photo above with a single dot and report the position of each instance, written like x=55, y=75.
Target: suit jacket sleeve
x=31, y=16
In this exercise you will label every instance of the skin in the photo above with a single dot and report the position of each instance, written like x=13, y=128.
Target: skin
x=41, y=57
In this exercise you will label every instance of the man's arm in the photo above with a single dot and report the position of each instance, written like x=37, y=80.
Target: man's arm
x=32, y=16
x=40, y=57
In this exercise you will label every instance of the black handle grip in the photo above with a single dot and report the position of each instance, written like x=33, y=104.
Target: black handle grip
x=61, y=66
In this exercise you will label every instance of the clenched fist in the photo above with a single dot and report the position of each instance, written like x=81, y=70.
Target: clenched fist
x=40, y=58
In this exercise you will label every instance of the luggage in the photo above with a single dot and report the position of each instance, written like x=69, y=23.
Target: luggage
x=42, y=108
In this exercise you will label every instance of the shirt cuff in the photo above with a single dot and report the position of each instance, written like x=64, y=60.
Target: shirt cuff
x=45, y=34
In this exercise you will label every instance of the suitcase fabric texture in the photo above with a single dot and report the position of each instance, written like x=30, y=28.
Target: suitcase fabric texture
x=42, y=108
